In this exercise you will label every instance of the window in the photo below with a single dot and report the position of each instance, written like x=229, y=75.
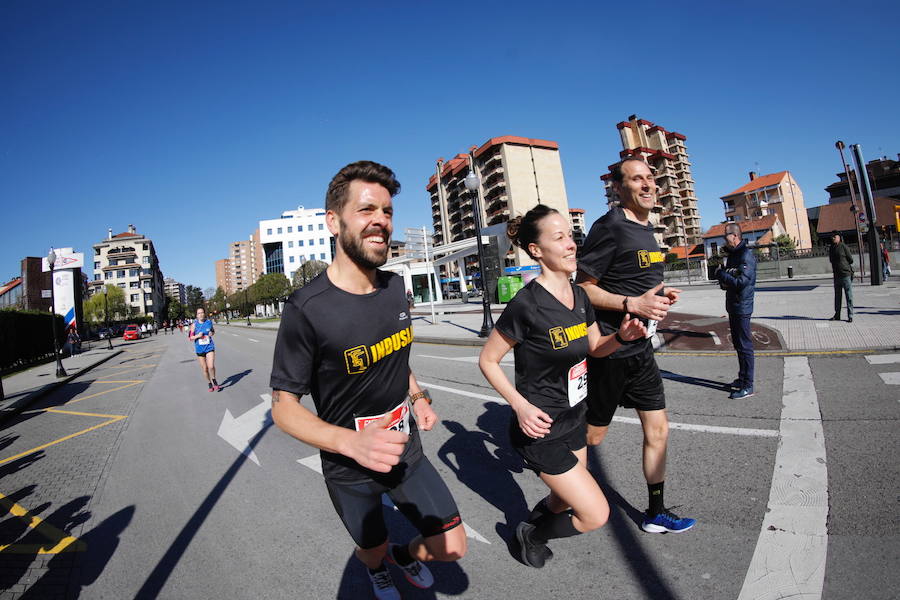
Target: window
x=300, y=242
x=134, y=297
x=290, y=259
x=146, y=247
x=96, y=276
x=134, y=272
x=96, y=251
x=148, y=298
x=120, y=274
x=322, y=256
x=321, y=227
x=146, y=260
x=269, y=231
x=309, y=227
x=290, y=229
x=134, y=284
x=290, y=243
x=97, y=265
x=311, y=242
x=107, y=275
x=279, y=230
x=122, y=285
x=321, y=241
x=302, y=258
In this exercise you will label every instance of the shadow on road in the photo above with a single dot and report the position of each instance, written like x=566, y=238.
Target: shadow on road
x=689, y=379
x=233, y=379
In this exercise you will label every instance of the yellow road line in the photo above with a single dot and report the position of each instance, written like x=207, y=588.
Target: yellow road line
x=62, y=542
x=111, y=419
x=118, y=381
x=130, y=368
x=83, y=414
x=115, y=389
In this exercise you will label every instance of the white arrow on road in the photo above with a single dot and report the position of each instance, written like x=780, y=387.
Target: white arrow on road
x=315, y=463
x=239, y=431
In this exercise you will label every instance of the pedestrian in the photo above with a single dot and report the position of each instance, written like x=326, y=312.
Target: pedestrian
x=345, y=339
x=550, y=325
x=738, y=279
x=201, y=333
x=885, y=261
x=842, y=268
x=410, y=300
x=621, y=269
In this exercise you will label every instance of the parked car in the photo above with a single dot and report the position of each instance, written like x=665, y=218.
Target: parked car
x=103, y=333
x=132, y=332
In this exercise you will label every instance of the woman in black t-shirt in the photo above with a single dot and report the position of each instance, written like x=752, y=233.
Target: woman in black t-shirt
x=550, y=325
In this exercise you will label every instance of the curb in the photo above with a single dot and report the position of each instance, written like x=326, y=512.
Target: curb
x=23, y=403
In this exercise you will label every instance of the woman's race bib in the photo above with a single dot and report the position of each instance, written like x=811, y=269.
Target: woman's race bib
x=204, y=341
x=578, y=382
x=399, y=419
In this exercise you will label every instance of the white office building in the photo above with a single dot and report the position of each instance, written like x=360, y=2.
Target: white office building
x=298, y=236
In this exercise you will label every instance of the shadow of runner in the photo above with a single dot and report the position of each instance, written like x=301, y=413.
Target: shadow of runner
x=690, y=379
x=233, y=379
x=449, y=579
x=163, y=570
x=642, y=567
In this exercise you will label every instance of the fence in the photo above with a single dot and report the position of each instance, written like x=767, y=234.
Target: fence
x=26, y=337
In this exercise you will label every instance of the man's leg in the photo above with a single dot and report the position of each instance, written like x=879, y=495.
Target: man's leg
x=655, y=424
x=742, y=340
x=838, y=287
x=848, y=292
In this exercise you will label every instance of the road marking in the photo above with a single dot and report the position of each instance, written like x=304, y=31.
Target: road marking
x=129, y=368
x=252, y=340
x=715, y=338
x=111, y=419
x=234, y=334
x=890, y=378
x=115, y=389
x=789, y=559
x=883, y=359
x=240, y=430
x=630, y=420
x=62, y=542
x=314, y=462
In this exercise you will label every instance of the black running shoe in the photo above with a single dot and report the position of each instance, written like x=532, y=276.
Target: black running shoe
x=532, y=553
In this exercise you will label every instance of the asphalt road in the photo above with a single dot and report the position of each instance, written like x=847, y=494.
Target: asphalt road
x=167, y=507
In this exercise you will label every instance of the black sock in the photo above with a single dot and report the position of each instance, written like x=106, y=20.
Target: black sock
x=540, y=509
x=656, y=498
x=380, y=568
x=215, y=382
x=553, y=526
x=401, y=554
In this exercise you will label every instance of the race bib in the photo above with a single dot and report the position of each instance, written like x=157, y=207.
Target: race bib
x=651, y=328
x=578, y=383
x=399, y=419
x=203, y=341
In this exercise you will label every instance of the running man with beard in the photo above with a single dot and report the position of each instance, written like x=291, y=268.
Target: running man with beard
x=345, y=339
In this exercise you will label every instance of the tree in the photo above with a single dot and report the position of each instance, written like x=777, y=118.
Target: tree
x=215, y=302
x=95, y=309
x=785, y=243
x=194, y=297
x=308, y=271
x=176, y=310
x=271, y=288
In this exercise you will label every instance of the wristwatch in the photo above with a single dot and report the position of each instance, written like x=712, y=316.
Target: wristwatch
x=422, y=394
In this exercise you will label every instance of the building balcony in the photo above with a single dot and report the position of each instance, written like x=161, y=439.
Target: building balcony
x=498, y=216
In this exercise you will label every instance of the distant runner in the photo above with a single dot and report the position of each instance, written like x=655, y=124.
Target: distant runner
x=201, y=332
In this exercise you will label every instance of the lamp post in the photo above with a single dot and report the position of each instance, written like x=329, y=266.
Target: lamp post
x=472, y=183
x=227, y=306
x=247, y=302
x=106, y=316
x=51, y=260
x=854, y=209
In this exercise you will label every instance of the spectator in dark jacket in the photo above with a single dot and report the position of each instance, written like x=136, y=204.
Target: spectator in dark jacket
x=738, y=279
x=842, y=265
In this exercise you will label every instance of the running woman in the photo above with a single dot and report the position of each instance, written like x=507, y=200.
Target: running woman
x=201, y=333
x=550, y=325
x=345, y=339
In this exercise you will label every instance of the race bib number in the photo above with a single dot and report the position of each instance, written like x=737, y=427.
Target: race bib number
x=399, y=419
x=578, y=383
x=203, y=341
x=651, y=328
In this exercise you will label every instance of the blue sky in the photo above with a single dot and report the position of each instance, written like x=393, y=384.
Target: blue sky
x=195, y=120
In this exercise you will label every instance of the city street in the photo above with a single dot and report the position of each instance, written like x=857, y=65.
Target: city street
x=134, y=481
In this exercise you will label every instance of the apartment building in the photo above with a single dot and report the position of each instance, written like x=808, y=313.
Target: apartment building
x=242, y=267
x=129, y=261
x=515, y=174
x=773, y=194
x=676, y=218
x=294, y=238
x=174, y=290
x=579, y=231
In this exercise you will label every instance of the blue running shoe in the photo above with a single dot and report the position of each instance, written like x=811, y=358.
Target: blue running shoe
x=666, y=522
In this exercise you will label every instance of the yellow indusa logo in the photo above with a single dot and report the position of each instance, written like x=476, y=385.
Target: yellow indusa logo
x=645, y=258
x=561, y=336
x=360, y=358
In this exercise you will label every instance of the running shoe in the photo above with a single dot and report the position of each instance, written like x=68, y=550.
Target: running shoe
x=211, y=387
x=741, y=394
x=383, y=585
x=666, y=522
x=416, y=572
x=532, y=554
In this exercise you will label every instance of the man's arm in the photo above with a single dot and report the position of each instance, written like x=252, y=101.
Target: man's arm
x=425, y=415
x=647, y=305
x=375, y=447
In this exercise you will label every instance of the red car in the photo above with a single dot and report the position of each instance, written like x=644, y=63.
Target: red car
x=132, y=332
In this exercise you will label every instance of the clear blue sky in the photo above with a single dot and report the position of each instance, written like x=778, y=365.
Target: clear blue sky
x=195, y=120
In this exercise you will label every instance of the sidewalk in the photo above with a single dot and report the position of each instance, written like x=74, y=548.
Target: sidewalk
x=786, y=318
x=25, y=387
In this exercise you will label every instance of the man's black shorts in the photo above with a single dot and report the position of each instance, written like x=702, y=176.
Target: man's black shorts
x=422, y=497
x=631, y=382
x=553, y=457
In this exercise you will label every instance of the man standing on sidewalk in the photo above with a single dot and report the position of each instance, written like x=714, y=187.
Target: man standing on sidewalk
x=621, y=269
x=842, y=265
x=738, y=279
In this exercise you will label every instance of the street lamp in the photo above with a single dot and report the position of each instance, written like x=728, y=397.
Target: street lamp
x=247, y=302
x=51, y=260
x=106, y=316
x=227, y=307
x=472, y=184
x=853, y=210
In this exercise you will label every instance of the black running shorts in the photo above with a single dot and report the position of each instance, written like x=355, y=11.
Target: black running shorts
x=630, y=382
x=553, y=457
x=422, y=497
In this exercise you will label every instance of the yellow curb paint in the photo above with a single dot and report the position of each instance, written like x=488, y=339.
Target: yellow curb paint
x=62, y=542
x=115, y=389
x=112, y=419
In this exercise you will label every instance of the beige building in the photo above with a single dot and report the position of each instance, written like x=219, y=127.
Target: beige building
x=579, y=232
x=676, y=218
x=129, y=261
x=774, y=194
x=174, y=290
x=516, y=173
x=243, y=266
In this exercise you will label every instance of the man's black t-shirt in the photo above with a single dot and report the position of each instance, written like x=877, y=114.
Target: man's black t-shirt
x=351, y=353
x=624, y=258
x=552, y=344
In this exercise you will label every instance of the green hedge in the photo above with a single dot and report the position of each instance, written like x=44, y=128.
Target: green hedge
x=25, y=336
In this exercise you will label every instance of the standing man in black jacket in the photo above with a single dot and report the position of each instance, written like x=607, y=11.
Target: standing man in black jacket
x=842, y=265
x=738, y=279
